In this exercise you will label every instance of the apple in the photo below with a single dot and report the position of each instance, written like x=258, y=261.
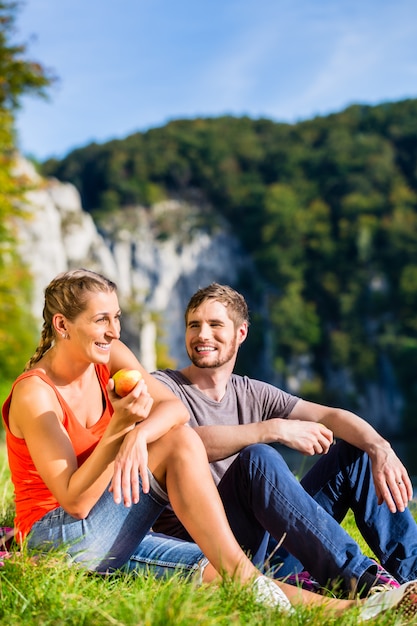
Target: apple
x=124, y=381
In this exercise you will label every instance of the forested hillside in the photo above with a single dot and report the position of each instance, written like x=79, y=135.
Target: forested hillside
x=327, y=208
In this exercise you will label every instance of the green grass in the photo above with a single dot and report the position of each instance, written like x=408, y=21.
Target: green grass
x=49, y=592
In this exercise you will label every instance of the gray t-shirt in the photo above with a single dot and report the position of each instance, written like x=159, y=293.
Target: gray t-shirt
x=246, y=401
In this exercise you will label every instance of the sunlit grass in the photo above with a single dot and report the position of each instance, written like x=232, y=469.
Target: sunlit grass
x=49, y=592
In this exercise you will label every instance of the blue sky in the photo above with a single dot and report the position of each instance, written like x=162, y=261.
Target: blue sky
x=128, y=65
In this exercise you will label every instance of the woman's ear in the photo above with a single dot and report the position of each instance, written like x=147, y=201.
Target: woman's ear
x=59, y=324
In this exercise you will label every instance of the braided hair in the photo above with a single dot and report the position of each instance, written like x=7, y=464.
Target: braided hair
x=67, y=294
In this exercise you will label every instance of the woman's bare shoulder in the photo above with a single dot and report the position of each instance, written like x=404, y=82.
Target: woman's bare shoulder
x=32, y=397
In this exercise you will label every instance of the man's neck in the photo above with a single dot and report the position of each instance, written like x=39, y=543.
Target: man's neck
x=210, y=381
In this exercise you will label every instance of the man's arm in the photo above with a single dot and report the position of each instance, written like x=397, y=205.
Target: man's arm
x=310, y=430
x=392, y=482
x=224, y=441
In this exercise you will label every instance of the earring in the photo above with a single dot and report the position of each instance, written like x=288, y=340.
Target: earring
x=64, y=335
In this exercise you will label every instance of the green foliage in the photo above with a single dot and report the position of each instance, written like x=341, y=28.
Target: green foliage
x=6, y=489
x=18, y=76
x=326, y=207
x=17, y=327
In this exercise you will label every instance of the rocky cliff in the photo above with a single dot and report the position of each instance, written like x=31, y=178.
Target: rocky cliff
x=158, y=257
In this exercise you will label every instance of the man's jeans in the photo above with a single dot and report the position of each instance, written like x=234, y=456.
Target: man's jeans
x=260, y=494
x=114, y=537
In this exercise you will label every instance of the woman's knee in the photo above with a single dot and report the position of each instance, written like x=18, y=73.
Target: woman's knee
x=180, y=443
x=185, y=439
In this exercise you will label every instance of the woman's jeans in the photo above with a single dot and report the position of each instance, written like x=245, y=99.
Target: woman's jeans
x=114, y=537
x=261, y=494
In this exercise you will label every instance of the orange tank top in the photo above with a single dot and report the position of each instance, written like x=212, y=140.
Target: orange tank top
x=32, y=497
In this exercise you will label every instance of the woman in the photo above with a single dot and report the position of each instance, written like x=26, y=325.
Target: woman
x=92, y=471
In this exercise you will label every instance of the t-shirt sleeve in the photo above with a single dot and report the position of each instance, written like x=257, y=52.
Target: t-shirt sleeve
x=163, y=377
x=263, y=400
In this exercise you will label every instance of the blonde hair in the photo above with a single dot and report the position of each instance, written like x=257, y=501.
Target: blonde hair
x=235, y=303
x=67, y=294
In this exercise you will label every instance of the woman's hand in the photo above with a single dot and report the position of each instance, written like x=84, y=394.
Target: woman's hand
x=132, y=408
x=130, y=463
x=131, y=460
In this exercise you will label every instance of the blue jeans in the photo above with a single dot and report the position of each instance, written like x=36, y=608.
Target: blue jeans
x=260, y=494
x=114, y=537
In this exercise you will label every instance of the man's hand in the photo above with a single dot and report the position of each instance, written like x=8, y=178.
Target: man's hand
x=307, y=437
x=392, y=482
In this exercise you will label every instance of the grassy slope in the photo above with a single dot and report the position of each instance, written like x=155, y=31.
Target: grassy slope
x=49, y=592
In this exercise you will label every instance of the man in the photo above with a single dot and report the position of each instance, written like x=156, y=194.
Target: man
x=236, y=417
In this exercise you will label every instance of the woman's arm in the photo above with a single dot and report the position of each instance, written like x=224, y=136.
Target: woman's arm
x=166, y=413
x=165, y=403
x=36, y=416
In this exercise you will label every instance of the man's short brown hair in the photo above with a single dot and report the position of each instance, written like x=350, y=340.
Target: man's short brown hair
x=235, y=303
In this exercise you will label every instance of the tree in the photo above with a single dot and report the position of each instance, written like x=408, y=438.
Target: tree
x=18, y=76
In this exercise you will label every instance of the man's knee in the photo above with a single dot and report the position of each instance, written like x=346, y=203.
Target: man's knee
x=261, y=451
x=262, y=458
x=347, y=452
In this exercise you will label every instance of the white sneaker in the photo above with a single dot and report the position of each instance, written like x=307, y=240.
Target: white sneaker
x=269, y=594
x=402, y=600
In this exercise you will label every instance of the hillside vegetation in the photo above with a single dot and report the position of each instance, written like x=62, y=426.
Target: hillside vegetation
x=327, y=209
x=18, y=76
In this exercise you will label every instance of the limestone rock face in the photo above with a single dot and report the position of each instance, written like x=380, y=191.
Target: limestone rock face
x=158, y=257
